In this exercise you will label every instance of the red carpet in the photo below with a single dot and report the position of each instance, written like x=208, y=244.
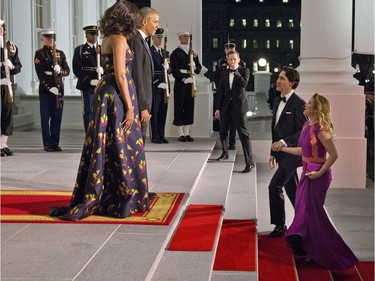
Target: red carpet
x=197, y=230
x=236, y=250
x=32, y=206
x=275, y=260
x=310, y=271
x=366, y=270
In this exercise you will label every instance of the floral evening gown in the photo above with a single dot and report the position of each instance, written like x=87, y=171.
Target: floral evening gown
x=112, y=175
x=311, y=231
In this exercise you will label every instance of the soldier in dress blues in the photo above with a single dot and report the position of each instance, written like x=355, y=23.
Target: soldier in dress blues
x=183, y=99
x=13, y=64
x=50, y=69
x=160, y=101
x=87, y=67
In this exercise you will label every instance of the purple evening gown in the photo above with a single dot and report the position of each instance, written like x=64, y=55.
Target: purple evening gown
x=311, y=231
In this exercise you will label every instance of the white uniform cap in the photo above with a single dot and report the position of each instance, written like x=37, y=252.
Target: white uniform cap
x=48, y=31
x=183, y=33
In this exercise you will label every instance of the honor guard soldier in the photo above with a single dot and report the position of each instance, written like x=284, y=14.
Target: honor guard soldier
x=222, y=64
x=51, y=66
x=160, y=58
x=10, y=65
x=184, y=64
x=87, y=67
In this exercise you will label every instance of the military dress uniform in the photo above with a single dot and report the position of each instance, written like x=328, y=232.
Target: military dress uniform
x=160, y=105
x=50, y=103
x=85, y=68
x=183, y=99
x=15, y=66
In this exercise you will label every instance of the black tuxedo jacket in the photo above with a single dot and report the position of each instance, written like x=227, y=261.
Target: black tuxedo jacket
x=142, y=71
x=236, y=95
x=288, y=128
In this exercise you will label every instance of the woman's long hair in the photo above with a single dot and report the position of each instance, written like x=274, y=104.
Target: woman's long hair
x=120, y=19
x=323, y=112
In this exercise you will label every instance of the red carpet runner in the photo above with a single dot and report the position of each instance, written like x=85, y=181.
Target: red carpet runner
x=275, y=260
x=197, y=230
x=236, y=250
x=32, y=206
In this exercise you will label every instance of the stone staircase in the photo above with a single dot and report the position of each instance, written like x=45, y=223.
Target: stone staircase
x=218, y=183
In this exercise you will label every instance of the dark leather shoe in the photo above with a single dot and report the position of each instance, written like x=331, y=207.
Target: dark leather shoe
x=7, y=151
x=277, y=232
x=49, y=149
x=182, y=139
x=165, y=140
x=248, y=168
x=223, y=157
x=189, y=138
x=2, y=152
x=157, y=141
x=232, y=147
x=57, y=148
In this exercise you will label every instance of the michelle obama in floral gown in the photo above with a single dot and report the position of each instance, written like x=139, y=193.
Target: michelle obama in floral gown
x=112, y=174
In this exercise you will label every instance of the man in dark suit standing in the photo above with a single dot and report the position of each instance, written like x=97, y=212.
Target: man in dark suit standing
x=232, y=106
x=287, y=123
x=142, y=65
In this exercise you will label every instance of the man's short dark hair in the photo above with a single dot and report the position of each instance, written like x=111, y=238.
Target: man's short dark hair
x=292, y=75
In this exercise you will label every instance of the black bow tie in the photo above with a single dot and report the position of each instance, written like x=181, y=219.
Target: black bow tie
x=233, y=70
x=283, y=99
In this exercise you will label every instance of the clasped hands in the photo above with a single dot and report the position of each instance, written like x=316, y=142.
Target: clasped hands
x=277, y=146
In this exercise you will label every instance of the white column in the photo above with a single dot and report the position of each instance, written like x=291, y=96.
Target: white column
x=326, y=69
x=179, y=15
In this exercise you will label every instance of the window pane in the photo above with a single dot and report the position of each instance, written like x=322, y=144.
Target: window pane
x=267, y=23
x=255, y=44
x=244, y=23
x=291, y=23
x=255, y=23
x=244, y=43
x=279, y=23
x=278, y=43
x=290, y=44
x=231, y=22
x=268, y=44
x=215, y=43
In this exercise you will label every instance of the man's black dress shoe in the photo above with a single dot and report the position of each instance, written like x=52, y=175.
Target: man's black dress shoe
x=2, y=152
x=248, y=168
x=277, y=232
x=223, y=157
x=165, y=140
x=232, y=147
x=156, y=141
x=189, y=138
x=49, y=149
x=7, y=151
x=57, y=148
x=182, y=139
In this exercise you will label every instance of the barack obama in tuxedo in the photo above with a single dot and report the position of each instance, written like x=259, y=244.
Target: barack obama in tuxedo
x=232, y=105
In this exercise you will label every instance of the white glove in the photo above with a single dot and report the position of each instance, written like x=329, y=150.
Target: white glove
x=192, y=64
x=188, y=80
x=57, y=68
x=166, y=66
x=100, y=70
x=9, y=64
x=54, y=91
x=162, y=86
x=94, y=82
